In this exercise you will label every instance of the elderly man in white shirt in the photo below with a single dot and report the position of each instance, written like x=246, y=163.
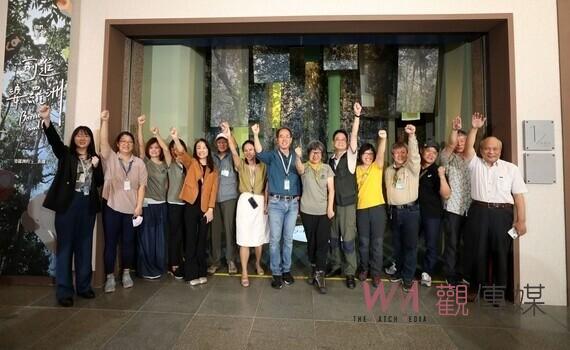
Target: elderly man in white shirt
x=497, y=191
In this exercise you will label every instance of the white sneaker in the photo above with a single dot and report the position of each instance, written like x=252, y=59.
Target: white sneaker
x=203, y=280
x=426, y=279
x=127, y=281
x=212, y=269
x=110, y=283
x=232, y=269
x=391, y=270
x=194, y=282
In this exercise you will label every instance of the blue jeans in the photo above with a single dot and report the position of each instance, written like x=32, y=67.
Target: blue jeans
x=430, y=231
x=282, y=219
x=405, y=229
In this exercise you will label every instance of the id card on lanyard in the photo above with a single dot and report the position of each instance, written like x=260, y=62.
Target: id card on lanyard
x=286, y=182
x=127, y=182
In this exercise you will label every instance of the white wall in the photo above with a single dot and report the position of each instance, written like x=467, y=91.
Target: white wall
x=537, y=86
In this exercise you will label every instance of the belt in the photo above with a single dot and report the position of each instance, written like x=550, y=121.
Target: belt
x=492, y=205
x=282, y=197
x=404, y=206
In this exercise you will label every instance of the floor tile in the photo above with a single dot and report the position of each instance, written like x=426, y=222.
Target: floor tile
x=482, y=338
x=125, y=299
x=149, y=330
x=22, y=295
x=401, y=336
x=341, y=303
x=50, y=301
x=178, y=297
x=215, y=332
x=293, y=334
x=295, y=301
x=25, y=326
x=87, y=329
x=560, y=314
x=228, y=297
x=532, y=340
x=347, y=335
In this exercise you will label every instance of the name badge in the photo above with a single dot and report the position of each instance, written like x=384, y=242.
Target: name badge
x=286, y=185
x=127, y=185
x=225, y=172
x=81, y=177
x=399, y=184
x=85, y=191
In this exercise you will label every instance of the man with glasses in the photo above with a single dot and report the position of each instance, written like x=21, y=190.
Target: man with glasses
x=402, y=184
x=343, y=226
x=283, y=207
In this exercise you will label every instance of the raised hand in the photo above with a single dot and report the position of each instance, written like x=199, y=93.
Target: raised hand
x=299, y=152
x=456, y=124
x=226, y=130
x=154, y=130
x=174, y=133
x=255, y=129
x=43, y=112
x=95, y=161
x=441, y=171
x=382, y=134
x=410, y=129
x=141, y=120
x=105, y=115
x=357, y=109
x=478, y=120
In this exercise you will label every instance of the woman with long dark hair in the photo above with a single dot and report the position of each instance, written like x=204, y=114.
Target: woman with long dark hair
x=74, y=197
x=199, y=194
x=123, y=191
x=151, y=240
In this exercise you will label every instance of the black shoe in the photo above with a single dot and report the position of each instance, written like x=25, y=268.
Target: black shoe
x=90, y=294
x=311, y=278
x=277, y=282
x=406, y=286
x=66, y=302
x=376, y=281
x=350, y=282
x=333, y=272
x=320, y=282
x=178, y=274
x=288, y=278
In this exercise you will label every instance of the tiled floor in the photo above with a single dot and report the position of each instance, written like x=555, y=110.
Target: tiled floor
x=168, y=314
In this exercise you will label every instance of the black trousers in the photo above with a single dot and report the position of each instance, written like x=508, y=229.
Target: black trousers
x=487, y=241
x=453, y=260
x=317, y=230
x=176, y=234
x=196, y=235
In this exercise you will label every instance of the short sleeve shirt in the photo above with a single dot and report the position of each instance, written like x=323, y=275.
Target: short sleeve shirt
x=315, y=190
x=496, y=183
x=175, y=181
x=369, y=182
x=114, y=191
x=251, y=180
x=429, y=198
x=459, y=181
x=157, y=180
x=279, y=169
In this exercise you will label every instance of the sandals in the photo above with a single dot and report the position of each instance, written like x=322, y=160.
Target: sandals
x=259, y=270
x=245, y=282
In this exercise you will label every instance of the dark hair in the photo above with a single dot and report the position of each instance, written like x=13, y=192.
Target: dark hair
x=151, y=142
x=365, y=147
x=461, y=132
x=118, y=138
x=250, y=143
x=340, y=131
x=172, y=144
x=209, y=159
x=90, y=148
x=316, y=144
x=283, y=128
x=399, y=145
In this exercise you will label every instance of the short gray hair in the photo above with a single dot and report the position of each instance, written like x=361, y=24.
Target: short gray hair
x=314, y=145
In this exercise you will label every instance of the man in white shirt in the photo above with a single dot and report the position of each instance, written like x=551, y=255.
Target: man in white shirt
x=497, y=191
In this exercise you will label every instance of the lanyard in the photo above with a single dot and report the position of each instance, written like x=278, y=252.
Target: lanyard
x=316, y=171
x=252, y=177
x=127, y=171
x=286, y=169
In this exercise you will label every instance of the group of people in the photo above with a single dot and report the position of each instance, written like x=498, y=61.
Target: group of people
x=345, y=204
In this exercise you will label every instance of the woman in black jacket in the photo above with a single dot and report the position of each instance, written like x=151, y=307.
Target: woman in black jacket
x=74, y=197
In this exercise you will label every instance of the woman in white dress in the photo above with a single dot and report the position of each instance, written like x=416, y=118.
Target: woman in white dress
x=251, y=221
